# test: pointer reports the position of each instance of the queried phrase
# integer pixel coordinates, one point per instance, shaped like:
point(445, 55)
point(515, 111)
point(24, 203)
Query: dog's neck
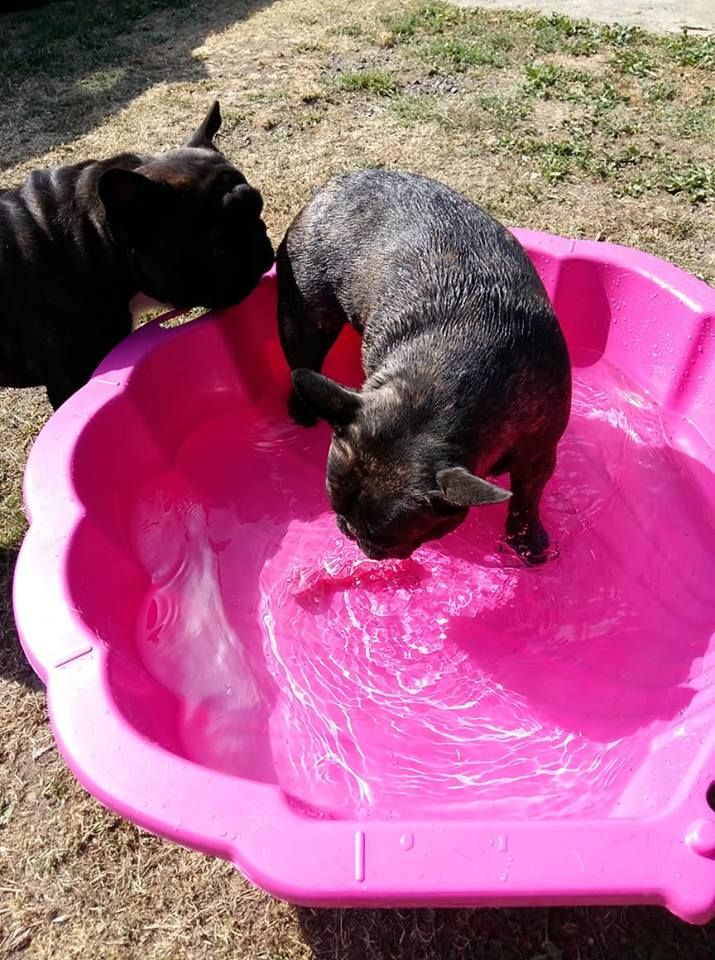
point(430, 400)
point(119, 270)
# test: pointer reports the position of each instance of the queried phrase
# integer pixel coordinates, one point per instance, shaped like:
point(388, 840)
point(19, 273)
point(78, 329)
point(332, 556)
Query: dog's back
point(436, 286)
point(56, 266)
point(418, 254)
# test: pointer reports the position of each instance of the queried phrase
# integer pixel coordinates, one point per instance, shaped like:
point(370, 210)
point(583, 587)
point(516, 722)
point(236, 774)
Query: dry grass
point(550, 124)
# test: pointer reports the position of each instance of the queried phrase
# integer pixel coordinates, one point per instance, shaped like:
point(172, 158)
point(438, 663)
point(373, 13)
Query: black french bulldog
point(467, 369)
point(77, 243)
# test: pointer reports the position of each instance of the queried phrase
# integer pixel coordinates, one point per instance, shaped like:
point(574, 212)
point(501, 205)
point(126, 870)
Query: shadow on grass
point(594, 933)
point(66, 66)
point(13, 664)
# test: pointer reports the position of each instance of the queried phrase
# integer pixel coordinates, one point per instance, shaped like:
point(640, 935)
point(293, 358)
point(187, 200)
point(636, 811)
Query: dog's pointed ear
point(461, 488)
point(203, 135)
point(326, 398)
point(128, 197)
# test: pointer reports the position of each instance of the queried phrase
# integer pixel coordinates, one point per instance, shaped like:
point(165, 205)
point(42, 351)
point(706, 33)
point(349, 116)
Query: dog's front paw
point(531, 542)
point(300, 412)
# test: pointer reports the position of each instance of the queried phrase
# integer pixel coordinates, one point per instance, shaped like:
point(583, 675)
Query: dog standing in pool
point(467, 371)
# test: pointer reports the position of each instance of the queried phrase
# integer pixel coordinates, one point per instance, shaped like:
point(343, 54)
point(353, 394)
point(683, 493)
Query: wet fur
point(77, 243)
point(467, 371)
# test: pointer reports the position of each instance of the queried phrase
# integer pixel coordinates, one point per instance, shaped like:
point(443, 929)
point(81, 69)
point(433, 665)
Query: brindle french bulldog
point(467, 369)
point(78, 243)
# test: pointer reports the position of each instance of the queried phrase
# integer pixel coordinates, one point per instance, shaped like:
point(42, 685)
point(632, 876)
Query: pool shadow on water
point(603, 639)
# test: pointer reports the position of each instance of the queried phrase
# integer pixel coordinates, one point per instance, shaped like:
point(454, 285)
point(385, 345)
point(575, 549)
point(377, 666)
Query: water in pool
point(459, 677)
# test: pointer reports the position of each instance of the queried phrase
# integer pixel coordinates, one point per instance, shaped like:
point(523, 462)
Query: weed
point(557, 32)
point(558, 158)
point(459, 55)
point(506, 111)
point(662, 91)
point(413, 109)
point(636, 187)
point(694, 122)
point(695, 180)
point(620, 34)
point(350, 30)
point(552, 82)
point(432, 18)
point(541, 79)
point(312, 118)
point(690, 51)
point(635, 62)
point(375, 82)
point(610, 164)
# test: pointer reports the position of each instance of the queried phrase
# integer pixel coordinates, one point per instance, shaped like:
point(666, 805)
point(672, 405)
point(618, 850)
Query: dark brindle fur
point(77, 243)
point(467, 369)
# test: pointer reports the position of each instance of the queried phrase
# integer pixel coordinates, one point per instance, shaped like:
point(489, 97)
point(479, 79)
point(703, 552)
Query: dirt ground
point(553, 124)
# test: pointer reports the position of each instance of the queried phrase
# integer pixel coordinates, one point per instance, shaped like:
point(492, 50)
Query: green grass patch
point(431, 18)
point(607, 136)
point(12, 520)
point(695, 180)
point(414, 109)
point(377, 83)
point(634, 61)
point(559, 33)
point(459, 55)
point(350, 30)
point(662, 91)
point(693, 123)
point(550, 81)
point(505, 111)
point(690, 51)
point(556, 159)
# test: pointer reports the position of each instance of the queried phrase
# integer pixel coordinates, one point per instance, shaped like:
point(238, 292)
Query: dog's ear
point(129, 198)
point(326, 398)
point(204, 134)
point(461, 488)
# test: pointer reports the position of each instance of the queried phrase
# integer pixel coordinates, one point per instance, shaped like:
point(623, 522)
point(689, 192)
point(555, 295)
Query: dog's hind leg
point(83, 350)
point(61, 388)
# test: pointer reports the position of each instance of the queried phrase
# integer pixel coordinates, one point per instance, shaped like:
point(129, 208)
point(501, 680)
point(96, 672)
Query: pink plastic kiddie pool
point(226, 670)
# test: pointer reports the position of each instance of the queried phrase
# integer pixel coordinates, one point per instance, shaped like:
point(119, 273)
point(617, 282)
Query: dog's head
point(392, 480)
point(190, 223)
